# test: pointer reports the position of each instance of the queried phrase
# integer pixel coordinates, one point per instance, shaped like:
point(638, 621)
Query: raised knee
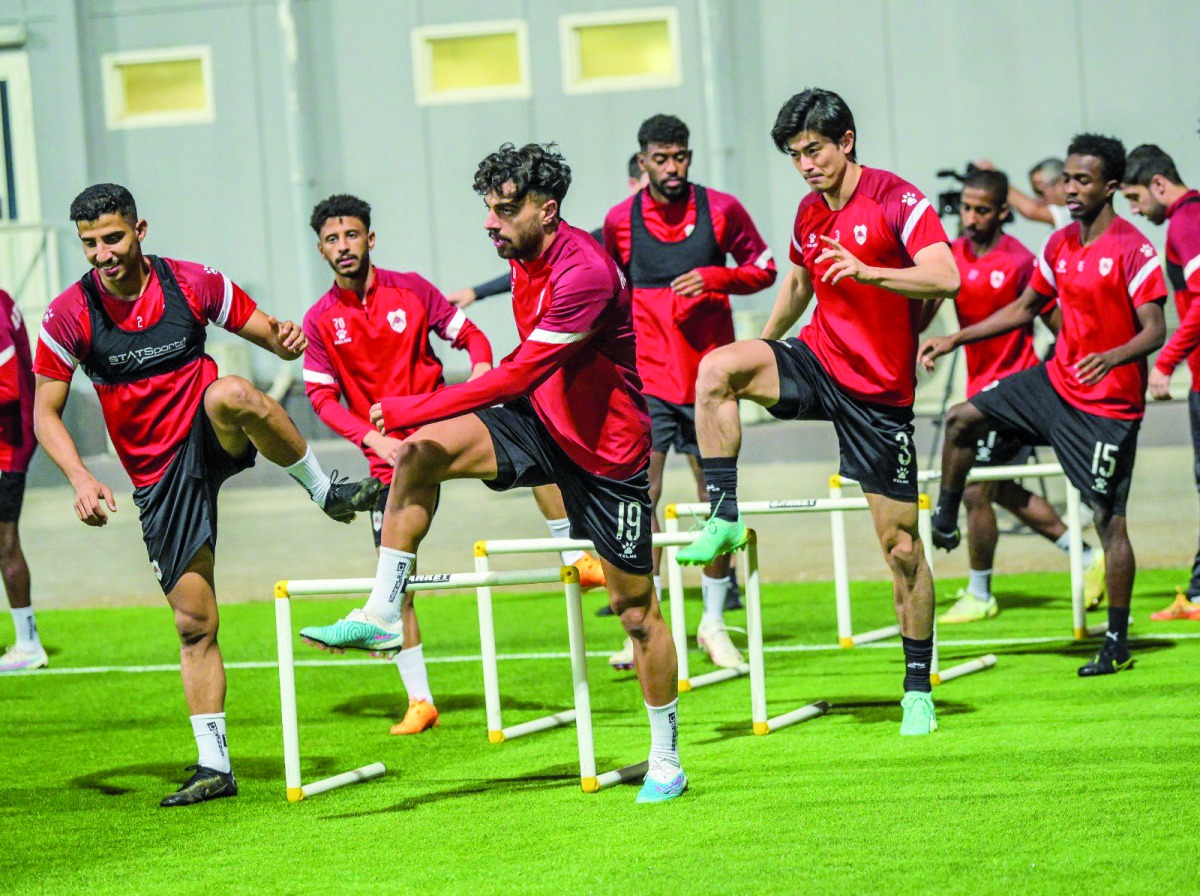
point(235, 396)
point(960, 420)
point(712, 379)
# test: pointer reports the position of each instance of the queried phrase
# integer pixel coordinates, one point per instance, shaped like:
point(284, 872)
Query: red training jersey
point(365, 349)
point(674, 332)
point(576, 361)
point(866, 336)
point(148, 419)
point(989, 282)
point(1183, 268)
point(17, 442)
point(1099, 287)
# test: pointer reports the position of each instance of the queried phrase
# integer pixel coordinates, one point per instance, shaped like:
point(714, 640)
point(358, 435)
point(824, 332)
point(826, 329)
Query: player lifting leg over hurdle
point(870, 247)
point(565, 407)
point(136, 324)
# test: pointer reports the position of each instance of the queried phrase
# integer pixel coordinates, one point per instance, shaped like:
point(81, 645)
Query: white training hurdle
point(484, 550)
point(670, 542)
point(836, 508)
point(581, 714)
point(1080, 628)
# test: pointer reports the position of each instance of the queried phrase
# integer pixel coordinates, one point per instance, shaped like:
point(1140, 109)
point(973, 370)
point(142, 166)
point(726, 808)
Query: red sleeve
point(323, 389)
point(580, 296)
point(10, 379)
point(1184, 340)
point(64, 337)
point(616, 233)
point(1042, 279)
point(221, 300)
point(795, 254)
point(737, 235)
point(913, 219)
point(452, 325)
point(1183, 244)
point(1144, 270)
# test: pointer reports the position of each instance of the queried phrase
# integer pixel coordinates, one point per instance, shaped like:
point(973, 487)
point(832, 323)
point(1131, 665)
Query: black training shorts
point(614, 514)
point(875, 441)
point(12, 496)
point(998, 448)
point(672, 426)
point(179, 512)
point(1096, 453)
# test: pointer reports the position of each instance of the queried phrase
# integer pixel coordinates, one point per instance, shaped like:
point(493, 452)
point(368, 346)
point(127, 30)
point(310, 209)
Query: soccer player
point(1048, 202)
point(369, 336)
point(1088, 400)
point(136, 325)
point(1156, 191)
point(870, 247)
point(995, 269)
point(17, 444)
point(672, 238)
point(566, 406)
point(503, 283)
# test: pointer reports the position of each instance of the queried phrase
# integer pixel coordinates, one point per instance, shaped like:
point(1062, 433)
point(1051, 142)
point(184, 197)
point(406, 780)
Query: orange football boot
point(421, 716)
point(1180, 608)
point(591, 573)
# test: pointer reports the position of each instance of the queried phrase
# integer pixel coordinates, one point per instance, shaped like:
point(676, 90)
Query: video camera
point(948, 202)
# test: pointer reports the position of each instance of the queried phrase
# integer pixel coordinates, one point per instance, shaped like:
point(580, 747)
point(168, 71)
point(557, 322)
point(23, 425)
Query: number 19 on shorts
point(629, 521)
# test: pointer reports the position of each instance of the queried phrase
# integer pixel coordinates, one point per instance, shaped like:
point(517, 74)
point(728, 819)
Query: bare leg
point(242, 415)
point(549, 502)
point(740, 370)
point(912, 589)
point(194, 601)
point(964, 425)
point(982, 532)
point(13, 568)
point(1032, 510)
point(634, 601)
point(1118, 553)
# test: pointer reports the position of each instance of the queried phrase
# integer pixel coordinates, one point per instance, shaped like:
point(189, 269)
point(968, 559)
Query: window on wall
point(621, 50)
point(470, 63)
point(158, 88)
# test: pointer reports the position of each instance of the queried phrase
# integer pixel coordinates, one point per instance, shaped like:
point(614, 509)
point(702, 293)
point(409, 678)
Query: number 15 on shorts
point(1104, 464)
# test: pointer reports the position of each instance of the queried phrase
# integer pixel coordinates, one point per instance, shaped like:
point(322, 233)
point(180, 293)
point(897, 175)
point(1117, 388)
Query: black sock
point(945, 518)
point(1118, 627)
point(918, 660)
point(720, 480)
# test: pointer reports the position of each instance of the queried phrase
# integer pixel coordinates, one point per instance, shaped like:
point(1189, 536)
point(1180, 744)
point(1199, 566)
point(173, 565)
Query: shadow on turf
point(172, 774)
point(549, 778)
point(1085, 650)
point(386, 706)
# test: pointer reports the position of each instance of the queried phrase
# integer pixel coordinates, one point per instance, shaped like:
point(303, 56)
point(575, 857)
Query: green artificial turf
point(1037, 782)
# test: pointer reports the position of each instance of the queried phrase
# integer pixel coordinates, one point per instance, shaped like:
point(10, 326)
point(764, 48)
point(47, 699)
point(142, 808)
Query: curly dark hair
point(820, 111)
point(104, 199)
point(534, 168)
point(339, 205)
point(666, 130)
point(1109, 150)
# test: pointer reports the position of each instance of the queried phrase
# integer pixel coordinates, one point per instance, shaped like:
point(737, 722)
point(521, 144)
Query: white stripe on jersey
point(63, 355)
point(761, 261)
point(1044, 267)
point(1190, 267)
point(455, 325)
point(315, 376)
point(796, 245)
point(552, 338)
point(1141, 275)
point(226, 302)
point(7, 355)
point(911, 224)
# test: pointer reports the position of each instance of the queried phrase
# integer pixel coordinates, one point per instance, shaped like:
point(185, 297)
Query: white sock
point(209, 729)
point(714, 591)
point(562, 529)
point(411, 664)
point(391, 575)
point(979, 583)
point(307, 471)
point(664, 741)
point(1063, 543)
point(26, 628)
point(658, 584)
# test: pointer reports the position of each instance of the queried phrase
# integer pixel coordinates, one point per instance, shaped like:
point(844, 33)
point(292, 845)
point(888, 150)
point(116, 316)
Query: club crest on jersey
point(397, 320)
point(1061, 267)
point(860, 233)
point(1105, 266)
point(996, 279)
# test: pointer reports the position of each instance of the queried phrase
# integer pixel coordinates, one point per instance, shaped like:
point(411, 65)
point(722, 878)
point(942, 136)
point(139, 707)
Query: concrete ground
point(270, 530)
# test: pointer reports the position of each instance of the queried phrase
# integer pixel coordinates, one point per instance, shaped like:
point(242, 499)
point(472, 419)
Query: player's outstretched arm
point(795, 292)
point(1016, 314)
point(934, 275)
point(1092, 368)
point(280, 337)
point(91, 495)
point(1030, 207)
